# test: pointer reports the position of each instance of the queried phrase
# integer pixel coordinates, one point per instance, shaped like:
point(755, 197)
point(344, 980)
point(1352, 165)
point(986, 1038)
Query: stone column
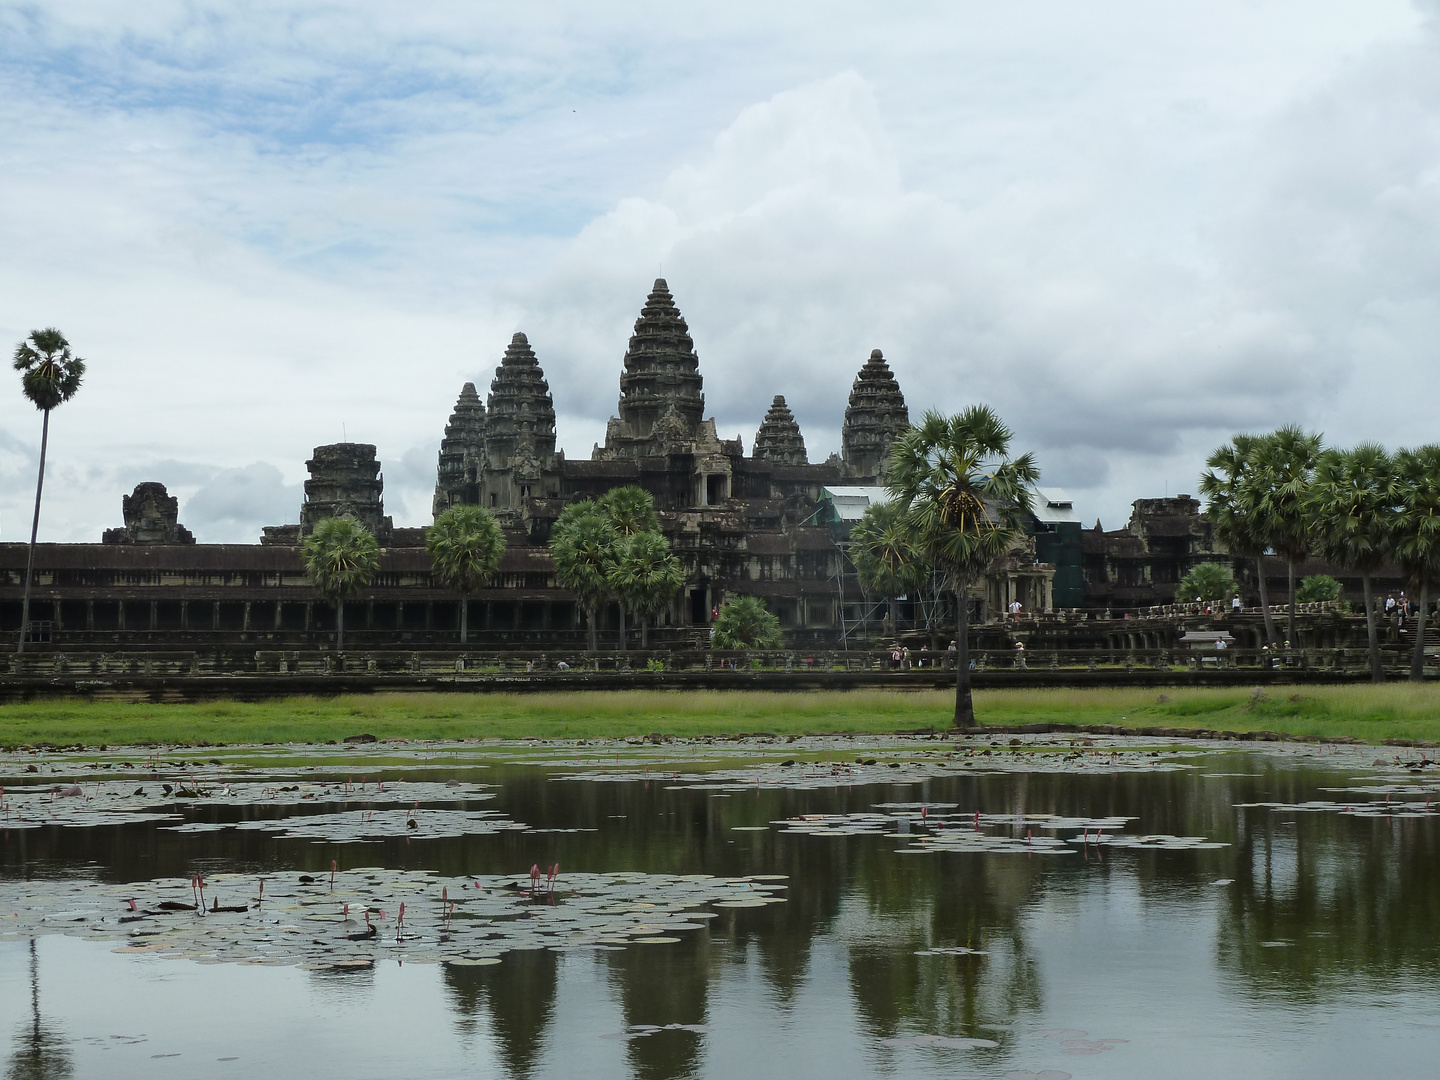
point(154, 615)
point(89, 614)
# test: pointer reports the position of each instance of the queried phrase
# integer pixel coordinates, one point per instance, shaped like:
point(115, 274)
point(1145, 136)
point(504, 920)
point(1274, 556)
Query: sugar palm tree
point(645, 576)
point(1286, 460)
point(631, 512)
point(963, 497)
point(1232, 493)
point(465, 546)
point(1416, 540)
point(341, 558)
point(885, 557)
point(1352, 499)
point(744, 623)
point(51, 376)
point(582, 544)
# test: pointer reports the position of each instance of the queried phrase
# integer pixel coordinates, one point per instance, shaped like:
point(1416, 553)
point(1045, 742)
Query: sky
point(1131, 228)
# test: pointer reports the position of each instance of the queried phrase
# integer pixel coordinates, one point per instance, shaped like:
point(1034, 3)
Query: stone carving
point(152, 516)
point(874, 419)
point(779, 439)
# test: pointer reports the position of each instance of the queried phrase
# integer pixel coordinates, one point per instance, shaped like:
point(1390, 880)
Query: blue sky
point(1132, 228)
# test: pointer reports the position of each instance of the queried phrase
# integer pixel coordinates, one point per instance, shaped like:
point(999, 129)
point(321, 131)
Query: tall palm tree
point(1416, 542)
point(1286, 460)
point(963, 497)
point(341, 558)
point(51, 376)
point(885, 557)
point(465, 546)
point(582, 544)
point(1351, 499)
point(1232, 502)
point(645, 576)
point(631, 512)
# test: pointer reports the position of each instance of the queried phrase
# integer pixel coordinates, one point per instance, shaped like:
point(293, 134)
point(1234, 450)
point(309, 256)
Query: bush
point(1316, 589)
point(654, 665)
point(745, 624)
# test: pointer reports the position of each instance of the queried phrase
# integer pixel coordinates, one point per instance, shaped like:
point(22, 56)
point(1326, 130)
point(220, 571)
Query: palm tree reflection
point(42, 1054)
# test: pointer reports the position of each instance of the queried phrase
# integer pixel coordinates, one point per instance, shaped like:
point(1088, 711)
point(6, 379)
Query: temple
point(769, 523)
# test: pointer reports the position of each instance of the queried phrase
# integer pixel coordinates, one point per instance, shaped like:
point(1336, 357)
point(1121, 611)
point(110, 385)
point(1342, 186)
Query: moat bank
point(1402, 714)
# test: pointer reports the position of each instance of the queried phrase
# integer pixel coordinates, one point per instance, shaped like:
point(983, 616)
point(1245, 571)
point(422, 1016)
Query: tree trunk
point(1265, 599)
point(622, 626)
point(464, 619)
point(590, 617)
point(340, 625)
point(34, 531)
point(644, 633)
point(1290, 616)
point(1417, 657)
point(1377, 673)
point(964, 705)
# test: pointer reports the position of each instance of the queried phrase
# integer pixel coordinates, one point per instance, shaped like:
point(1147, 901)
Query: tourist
point(562, 665)
point(1220, 643)
point(1015, 609)
point(529, 667)
point(1235, 605)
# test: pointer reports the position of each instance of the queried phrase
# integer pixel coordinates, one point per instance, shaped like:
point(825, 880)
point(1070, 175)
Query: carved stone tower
point(519, 432)
point(875, 417)
point(152, 516)
point(661, 386)
point(345, 479)
point(779, 439)
point(461, 452)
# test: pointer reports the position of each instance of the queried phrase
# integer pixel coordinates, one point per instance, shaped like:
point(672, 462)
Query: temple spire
point(874, 419)
point(661, 379)
point(779, 439)
point(461, 451)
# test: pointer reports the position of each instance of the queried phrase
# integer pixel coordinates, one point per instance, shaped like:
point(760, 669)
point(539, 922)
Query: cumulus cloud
point(234, 504)
point(1131, 228)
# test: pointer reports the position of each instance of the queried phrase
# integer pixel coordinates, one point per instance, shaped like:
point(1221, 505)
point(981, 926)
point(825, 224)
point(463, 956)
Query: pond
point(900, 907)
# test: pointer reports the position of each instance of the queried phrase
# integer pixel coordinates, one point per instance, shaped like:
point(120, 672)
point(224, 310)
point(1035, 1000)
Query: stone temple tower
point(660, 390)
point(461, 453)
point(345, 480)
point(779, 439)
point(875, 417)
point(519, 432)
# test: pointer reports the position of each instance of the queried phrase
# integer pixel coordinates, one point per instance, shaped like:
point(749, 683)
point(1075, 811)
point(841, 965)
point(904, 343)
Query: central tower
point(661, 385)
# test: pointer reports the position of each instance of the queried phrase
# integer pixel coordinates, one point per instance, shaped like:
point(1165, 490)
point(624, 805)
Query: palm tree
point(1286, 460)
point(744, 623)
point(1207, 581)
point(645, 576)
point(51, 376)
point(631, 512)
point(465, 546)
point(583, 546)
point(341, 558)
point(1231, 489)
point(885, 556)
point(1416, 542)
point(1351, 499)
point(963, 497)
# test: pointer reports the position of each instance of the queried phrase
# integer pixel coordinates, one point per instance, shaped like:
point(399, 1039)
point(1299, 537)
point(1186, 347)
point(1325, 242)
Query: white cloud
point(1131, 228)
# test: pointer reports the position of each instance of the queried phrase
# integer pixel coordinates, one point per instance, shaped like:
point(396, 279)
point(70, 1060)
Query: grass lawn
point(1372, 713)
